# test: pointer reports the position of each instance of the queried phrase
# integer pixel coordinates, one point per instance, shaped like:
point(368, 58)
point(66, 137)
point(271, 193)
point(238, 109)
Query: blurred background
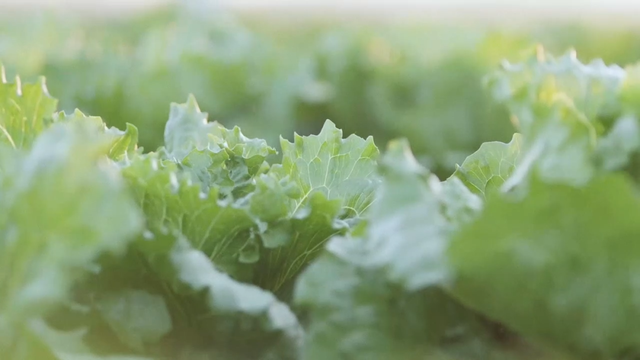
point(389, 69)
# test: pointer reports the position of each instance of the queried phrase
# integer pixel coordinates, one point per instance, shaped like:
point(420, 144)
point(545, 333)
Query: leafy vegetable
point(373, 296)
point(62, 205)
point(214, 246)
point(582, 306)
point(487, 169)
point(26, 111)
point(565, 240)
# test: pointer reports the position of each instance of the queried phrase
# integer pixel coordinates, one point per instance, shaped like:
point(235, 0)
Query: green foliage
point(210, 244)
point(63, 205)
point(26, 111)
point(582, 306)
point(373, 296)
point(421, 82)
point(487, 169)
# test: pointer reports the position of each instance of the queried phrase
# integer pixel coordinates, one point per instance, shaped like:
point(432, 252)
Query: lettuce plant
point(219, 246)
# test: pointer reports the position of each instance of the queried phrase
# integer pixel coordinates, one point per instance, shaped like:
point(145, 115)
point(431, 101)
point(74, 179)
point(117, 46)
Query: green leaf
point(225, 229)
point(137, 317)
point(273, 198)
point(235, 313)
point(168, 299)
point(487, 169)
point(630, 92)
point(290, 245)
point(122, 143)
point(558, 147)
point(357, 314)
point(460, 205)
point(559, 106)
point(616, 147)
point(171, 202)
point(214, 154)
point(66, 187)
point(592, 88)
point(25, 111)
point(54, 344)
point(557, 266)
point(125, 143)
point(325, 184)
point(62, 206)
point(187, 129)
point(338, 168)
point(376, 296)
point(208, 167)
point(407, 230)
point(566, 112)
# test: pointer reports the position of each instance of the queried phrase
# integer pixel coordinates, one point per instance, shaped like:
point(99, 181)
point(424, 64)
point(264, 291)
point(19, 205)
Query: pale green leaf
point(338, 168)
point(408, 231)
point(122, 143)
point(293, 243)
point(376, 296)
point(187, 129)
point(171, 202)
point(356, 314)
point(214, 154)
point(592, 88)
point(136, 317)
point(66, 187)
point(54, 344)
point(616, 147)
point(239, 312)
point(557, 266)
point(25, 111)
point(487, 169)
point(558, 105)
point(558, 147)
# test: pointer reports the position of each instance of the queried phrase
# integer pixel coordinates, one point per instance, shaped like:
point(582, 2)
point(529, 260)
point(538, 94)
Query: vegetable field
point(180, 186)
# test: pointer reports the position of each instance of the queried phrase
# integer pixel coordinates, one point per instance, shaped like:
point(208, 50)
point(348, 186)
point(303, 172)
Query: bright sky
point(571, 7)
point(391, 3)
point(348, 3)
